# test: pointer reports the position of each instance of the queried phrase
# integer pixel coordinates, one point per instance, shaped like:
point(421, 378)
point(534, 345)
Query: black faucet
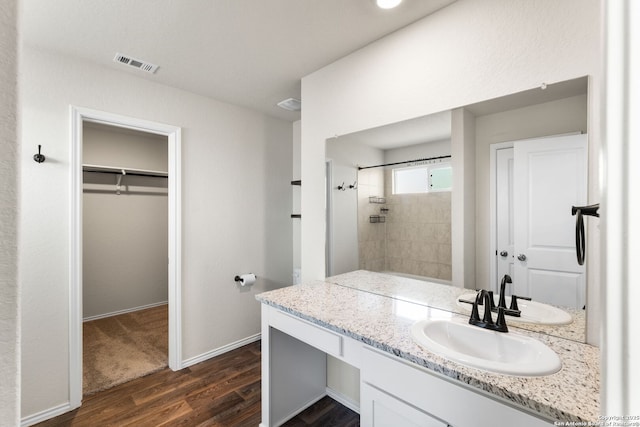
point(485, 298)
point(503, 284)
point(513, 309)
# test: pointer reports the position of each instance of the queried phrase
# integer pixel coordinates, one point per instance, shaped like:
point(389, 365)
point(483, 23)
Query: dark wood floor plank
point(224, 391)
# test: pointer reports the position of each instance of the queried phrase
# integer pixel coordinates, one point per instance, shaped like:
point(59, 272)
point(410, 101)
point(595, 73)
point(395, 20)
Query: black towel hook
point(39, 157)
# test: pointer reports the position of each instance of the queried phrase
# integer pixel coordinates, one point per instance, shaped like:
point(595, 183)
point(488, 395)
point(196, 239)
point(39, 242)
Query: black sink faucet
point(486, 322)
point(503, 284)
point(513, 309)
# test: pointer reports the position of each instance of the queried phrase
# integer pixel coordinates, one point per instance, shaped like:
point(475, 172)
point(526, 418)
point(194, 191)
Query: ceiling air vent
point(135, 63)
point(290, 104)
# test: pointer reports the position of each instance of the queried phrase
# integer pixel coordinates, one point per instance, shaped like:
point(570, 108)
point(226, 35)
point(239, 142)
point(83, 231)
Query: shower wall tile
point(418, 232)
point(416, 237)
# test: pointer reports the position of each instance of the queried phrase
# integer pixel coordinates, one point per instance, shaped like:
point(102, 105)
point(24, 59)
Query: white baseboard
point(127, 310)
point(220, 350)
point(302, 409)
point(45, 415)
point(344, 400)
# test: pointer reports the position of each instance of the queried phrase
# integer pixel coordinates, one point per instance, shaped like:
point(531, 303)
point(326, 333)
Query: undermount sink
point(503, 353)
point(530, 311)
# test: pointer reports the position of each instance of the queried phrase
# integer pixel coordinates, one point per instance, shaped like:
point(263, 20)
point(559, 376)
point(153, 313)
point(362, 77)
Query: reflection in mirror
point(396, 219)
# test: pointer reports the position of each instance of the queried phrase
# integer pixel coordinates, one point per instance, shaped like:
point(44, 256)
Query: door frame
point(79, 115)
point(493, 200)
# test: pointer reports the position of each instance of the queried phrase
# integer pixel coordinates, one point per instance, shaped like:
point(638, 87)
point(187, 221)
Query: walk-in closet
point(124, 253)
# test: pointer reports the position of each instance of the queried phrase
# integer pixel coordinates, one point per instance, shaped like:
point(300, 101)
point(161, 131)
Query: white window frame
point(429, 167)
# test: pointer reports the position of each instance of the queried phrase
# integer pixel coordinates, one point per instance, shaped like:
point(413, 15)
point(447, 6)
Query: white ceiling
point(251, 53)
point(434, 127)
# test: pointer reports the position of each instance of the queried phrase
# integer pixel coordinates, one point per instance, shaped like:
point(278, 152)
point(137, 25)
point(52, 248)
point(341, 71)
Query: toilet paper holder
point(241, 280)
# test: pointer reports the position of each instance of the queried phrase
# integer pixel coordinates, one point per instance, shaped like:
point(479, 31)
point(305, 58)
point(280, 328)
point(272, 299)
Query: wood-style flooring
point(222, 391)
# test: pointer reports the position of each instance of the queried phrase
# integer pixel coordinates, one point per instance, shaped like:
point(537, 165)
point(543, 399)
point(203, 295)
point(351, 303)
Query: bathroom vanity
point(400, 382)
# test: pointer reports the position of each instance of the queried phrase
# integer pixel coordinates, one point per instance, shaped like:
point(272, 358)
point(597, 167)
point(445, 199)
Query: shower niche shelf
point(377, 219)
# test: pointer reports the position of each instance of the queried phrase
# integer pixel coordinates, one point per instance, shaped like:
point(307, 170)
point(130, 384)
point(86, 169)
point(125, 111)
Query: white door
point(549, 176)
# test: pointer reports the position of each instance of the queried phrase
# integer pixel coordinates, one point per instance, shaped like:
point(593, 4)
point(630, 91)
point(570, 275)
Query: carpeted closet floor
point(120, 348)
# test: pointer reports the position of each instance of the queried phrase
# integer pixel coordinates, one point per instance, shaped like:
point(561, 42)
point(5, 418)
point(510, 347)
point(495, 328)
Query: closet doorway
point(124, 255)
point(125, 263)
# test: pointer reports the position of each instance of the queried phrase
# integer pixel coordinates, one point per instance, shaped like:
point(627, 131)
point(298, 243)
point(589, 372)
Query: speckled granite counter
point(572, 394)
point(444, 297)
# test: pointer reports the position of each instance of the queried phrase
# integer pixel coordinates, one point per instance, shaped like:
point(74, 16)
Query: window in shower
point(422, 179)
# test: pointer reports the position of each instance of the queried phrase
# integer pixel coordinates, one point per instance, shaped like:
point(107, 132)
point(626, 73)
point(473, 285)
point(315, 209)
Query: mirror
point(397, 219)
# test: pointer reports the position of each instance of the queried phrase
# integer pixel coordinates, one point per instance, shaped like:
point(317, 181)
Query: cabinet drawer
point(379, 409)
point(307, 332)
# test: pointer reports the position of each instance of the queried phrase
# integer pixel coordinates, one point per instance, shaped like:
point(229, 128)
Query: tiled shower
point(406, 233)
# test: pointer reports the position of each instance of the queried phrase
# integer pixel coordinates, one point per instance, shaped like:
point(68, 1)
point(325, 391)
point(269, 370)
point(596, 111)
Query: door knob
point(522, 257)
point(504, 253)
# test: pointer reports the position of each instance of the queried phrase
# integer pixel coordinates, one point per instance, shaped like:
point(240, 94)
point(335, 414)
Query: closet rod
point(405, 162)
point(124, 171)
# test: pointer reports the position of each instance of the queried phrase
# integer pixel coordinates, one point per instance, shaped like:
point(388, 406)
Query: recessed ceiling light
point(388, 4)
point(290, 104)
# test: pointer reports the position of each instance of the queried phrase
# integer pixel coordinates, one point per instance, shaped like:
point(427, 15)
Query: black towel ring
point(579, 211)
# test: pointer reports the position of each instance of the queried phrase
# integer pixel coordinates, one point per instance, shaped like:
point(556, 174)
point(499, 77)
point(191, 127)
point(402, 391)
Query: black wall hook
point(342, 187)
point(354, 186)
point(39, 157)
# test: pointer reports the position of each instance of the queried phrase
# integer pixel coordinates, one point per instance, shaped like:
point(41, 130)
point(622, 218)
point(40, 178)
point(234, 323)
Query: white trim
point(344, 400)
point(125, 311)
point(220, 350)
point(45, 415)
point(493, 228)
point(620, 345)
point(328, 171)
point(79, 115)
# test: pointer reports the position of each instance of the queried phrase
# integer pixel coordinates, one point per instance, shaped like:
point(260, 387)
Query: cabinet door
point(379, 409)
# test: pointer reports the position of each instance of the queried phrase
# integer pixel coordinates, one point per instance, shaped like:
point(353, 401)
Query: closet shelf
point(123, 171)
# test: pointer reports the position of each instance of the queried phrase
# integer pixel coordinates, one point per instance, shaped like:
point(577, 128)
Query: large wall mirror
point(389, 199)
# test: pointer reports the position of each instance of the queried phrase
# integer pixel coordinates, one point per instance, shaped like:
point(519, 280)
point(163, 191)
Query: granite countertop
point(572, 394)
point(444, 297)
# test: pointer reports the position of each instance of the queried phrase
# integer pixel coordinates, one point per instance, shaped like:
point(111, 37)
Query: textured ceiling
point(251, 53)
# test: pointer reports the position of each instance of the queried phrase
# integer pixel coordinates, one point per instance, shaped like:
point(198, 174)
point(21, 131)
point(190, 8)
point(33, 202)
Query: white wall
point(346, 156)
point(9, 170)
point(463, 200)
point(296, 193)
point(236, 202)
point(465, 53)
point(125, 236)
point(418, 151)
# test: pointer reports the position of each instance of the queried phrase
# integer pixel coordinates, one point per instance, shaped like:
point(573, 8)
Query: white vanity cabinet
point(393, 391)
point(390, 384)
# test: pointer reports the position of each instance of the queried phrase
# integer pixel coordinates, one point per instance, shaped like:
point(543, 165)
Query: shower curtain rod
point(406, 161)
